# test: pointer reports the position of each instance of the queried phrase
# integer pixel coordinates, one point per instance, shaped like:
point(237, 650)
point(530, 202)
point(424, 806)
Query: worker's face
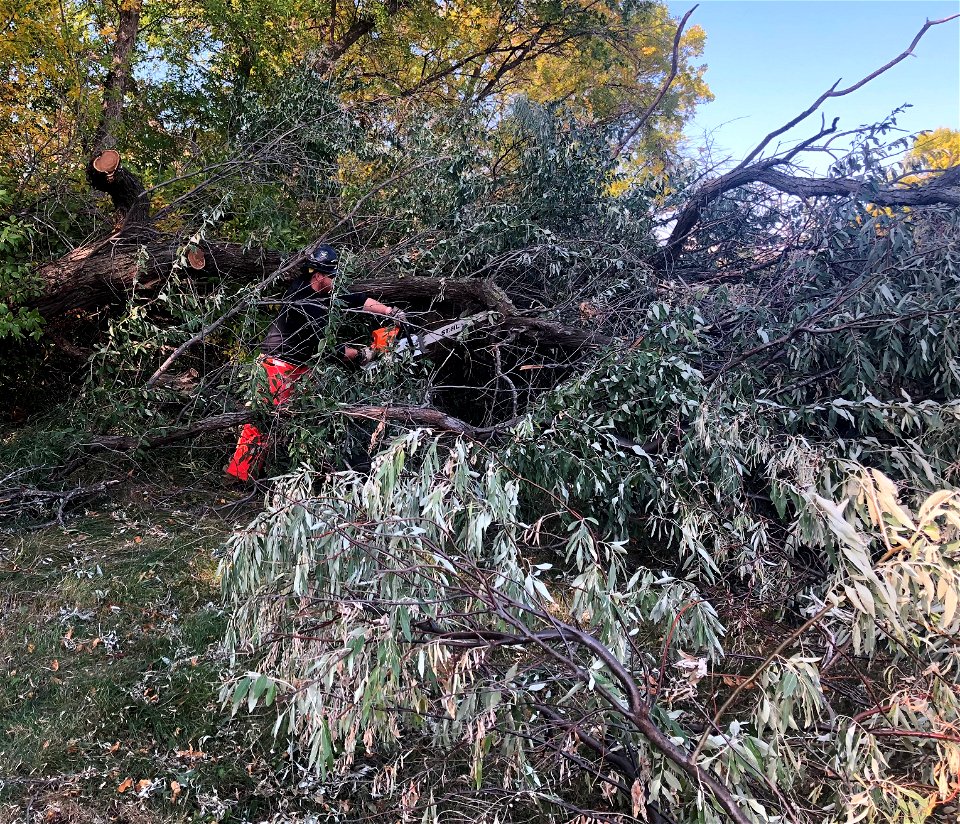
point(321, 283)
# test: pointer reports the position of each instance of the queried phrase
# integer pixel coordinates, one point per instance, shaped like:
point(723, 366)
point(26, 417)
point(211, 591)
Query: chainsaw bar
point(421, 342)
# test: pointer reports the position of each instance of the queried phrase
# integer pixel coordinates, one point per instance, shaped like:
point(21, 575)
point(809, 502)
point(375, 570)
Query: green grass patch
point(110, 667)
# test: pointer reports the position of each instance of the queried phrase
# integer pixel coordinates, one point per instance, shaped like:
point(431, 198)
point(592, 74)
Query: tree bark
point(426, 417)
point(117, 81)
point(93, 275)
point(126, 191)
point(942, 189)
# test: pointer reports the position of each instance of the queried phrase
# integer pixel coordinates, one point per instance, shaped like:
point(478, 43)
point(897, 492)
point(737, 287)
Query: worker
point(294, 338)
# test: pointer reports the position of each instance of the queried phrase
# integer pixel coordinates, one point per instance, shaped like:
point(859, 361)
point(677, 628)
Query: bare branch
point(834, 92)
point(674, 63)
point(426, 417)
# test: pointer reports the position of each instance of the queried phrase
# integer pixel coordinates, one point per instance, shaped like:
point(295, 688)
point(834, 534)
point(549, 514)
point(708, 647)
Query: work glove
point(367, 355)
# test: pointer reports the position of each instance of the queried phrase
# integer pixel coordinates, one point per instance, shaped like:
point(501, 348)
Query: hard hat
point(322, 258)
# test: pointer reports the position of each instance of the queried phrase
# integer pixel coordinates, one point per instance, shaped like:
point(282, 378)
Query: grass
point(110, 667)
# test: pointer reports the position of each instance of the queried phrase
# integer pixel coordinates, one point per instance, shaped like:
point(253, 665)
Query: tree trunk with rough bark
point(91, 276)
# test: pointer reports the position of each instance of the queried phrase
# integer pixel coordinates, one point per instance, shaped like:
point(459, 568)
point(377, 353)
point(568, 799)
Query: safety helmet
point(322, 259)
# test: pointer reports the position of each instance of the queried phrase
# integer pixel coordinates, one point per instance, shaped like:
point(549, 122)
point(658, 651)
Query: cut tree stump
point(107, 163)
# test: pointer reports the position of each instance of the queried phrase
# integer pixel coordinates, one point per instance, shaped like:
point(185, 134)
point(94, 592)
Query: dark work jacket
point(296, 333)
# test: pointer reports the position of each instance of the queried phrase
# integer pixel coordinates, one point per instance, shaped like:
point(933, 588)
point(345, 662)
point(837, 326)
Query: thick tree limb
point(125, 189)
point(549, 333)
point(943, 189)
point(415, 415)
point(467, 293)
point(92, 275)
point(165, 437)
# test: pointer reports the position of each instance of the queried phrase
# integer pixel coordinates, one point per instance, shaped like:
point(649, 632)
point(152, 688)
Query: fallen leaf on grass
point(142, 784)
point(126, 785)
point(54, 665)
point(637, 799)
point(737, 681)
point(174, 790)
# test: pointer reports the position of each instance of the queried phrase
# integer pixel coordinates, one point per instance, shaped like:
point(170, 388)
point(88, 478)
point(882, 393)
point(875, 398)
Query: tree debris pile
point(649, 512)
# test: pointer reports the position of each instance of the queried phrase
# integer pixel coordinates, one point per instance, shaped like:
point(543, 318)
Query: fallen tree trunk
point(96, 274)
point(93, 275)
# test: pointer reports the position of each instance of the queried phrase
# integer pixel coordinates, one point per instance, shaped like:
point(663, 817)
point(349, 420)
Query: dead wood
point(93, 275)
point(19, 500)
point(944, 189)
point(428, 418)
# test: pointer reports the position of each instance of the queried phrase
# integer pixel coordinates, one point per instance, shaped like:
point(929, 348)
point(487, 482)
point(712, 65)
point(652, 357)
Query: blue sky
point(767, 61)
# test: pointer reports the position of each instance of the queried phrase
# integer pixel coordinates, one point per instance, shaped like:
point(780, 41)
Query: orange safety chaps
point(251, 451)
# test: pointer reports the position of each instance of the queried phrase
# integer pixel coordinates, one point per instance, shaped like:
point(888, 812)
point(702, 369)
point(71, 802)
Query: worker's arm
point(377, 308)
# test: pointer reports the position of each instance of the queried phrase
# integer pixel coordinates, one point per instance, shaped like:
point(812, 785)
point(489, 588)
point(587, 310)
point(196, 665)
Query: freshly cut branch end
point(107, 162)
point(196, 260)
